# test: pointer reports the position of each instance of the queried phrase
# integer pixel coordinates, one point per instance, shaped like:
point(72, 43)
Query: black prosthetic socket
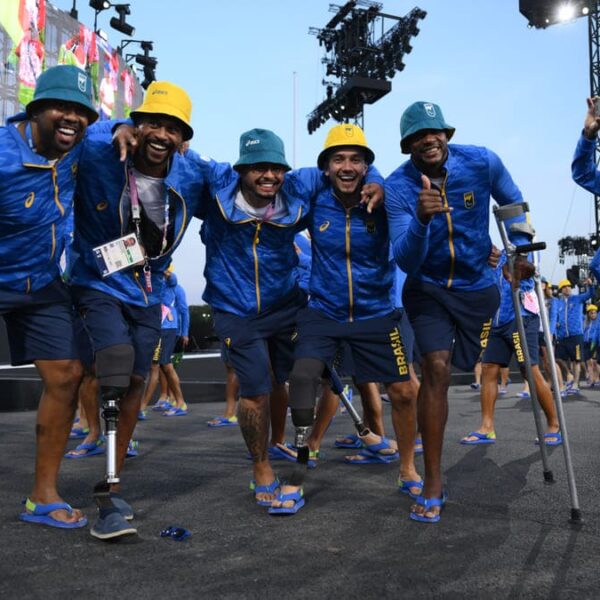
point(304, 381)
point(114, 366)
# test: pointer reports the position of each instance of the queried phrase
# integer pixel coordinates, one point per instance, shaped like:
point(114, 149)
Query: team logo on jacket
point(102, 206)
point(29, 200)
point(469, 198)
point(371, 228)
point(324, 226)
point(227, 342)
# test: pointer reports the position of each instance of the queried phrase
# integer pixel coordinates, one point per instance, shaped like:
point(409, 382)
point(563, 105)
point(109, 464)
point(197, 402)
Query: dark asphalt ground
point(504, 533)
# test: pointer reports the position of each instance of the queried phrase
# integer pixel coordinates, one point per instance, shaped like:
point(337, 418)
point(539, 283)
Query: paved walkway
point(504, 534)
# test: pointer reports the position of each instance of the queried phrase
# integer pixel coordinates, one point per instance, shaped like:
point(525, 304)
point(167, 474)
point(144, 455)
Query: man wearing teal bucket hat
point(259, 206)
point(39, 154)
point(438, 209)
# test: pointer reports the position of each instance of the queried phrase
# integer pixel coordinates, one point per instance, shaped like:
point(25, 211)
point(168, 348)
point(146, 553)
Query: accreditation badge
point(120, 254)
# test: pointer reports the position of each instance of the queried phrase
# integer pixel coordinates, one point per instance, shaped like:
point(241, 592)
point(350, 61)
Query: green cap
point(419, 116)
point(261, 146)
point(66, 83)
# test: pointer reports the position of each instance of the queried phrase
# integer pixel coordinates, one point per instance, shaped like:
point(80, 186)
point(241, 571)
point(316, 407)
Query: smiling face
point(261, 182)
point(346, 169)
point(57, 126)
point(158, 137)
point(429, 150)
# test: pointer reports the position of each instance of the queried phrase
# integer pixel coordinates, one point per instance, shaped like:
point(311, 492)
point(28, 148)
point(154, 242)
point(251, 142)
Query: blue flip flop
point(372, 458)
point(296, 497)
point(356, 442)
point(91, 449)
point(482, 438)
point(78, 433)
point(162, 405)
point(264, 489)
point(371, 454)
point(223, 422)
point(175, 412)
point(405, 485)
point(312, 460)
point(40, 513)
point(428, 504)
point(551, 439)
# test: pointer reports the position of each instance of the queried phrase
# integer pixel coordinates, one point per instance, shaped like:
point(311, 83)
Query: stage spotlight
point(120, 24)
point(99, 4)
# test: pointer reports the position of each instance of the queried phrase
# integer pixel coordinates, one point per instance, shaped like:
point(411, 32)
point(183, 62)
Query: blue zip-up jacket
point(36, 200)
point(583, 167)
point(552, 308)
point(101, 216)
point(570, 314)
point(250, 263)
point(506, 311)
point(173, 297)
point(591, 330)
point(398, 286)
point(351, 276)
point(452, 249)
point(303, 249)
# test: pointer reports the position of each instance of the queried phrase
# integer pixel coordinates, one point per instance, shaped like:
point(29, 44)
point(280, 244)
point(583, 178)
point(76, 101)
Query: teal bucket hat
point(419, 116)
point(67, 83)
point(261, 146)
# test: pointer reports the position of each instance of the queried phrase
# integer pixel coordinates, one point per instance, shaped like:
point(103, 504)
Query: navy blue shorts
point(343, 361)
point(225, 355)
point(39, 325)
point(262, 344)
point(503, 341)
point(109, 322)
point(375, 345)
point(168, 339)
point(408, 336)
point(83, 342)
point(451, 320)
point(588, 353)
point(570, 348)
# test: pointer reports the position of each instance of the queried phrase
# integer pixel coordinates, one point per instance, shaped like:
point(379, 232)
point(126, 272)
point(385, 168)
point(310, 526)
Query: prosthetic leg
point(113, 370)
point(305, 375)
point(503, 215)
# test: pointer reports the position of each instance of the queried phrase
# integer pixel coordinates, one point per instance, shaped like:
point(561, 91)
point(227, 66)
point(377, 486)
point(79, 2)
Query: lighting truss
point(361, 62)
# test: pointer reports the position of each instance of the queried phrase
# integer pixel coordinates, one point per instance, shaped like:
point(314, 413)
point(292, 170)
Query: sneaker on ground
point(112, 526)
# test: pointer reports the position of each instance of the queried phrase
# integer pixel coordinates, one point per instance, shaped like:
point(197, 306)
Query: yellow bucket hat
point(564, 283)
point(342, 135)
point(164, 98)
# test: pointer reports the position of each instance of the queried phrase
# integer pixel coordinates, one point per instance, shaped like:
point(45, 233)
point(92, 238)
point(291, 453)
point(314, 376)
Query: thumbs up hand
point(430, 202)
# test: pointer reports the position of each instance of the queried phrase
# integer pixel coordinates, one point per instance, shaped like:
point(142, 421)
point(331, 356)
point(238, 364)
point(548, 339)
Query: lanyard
point(136, 216)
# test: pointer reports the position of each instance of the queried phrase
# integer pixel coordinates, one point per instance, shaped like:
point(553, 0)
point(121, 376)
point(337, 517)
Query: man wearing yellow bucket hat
point(590, 344)
point(130, 217)
point(350, 302)
point(569, 328)
point(251, 284)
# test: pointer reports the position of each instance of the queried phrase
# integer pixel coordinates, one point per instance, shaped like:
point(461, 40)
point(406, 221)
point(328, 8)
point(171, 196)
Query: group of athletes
point(127, 191)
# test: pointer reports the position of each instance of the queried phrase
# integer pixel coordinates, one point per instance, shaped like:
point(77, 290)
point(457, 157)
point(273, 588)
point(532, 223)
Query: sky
point(521, 92)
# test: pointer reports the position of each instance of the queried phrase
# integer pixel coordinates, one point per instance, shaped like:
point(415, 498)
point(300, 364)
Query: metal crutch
point(503, 214)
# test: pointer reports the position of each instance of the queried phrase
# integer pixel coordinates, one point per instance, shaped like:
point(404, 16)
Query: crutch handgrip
point(510, 211)
point(527, 248)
